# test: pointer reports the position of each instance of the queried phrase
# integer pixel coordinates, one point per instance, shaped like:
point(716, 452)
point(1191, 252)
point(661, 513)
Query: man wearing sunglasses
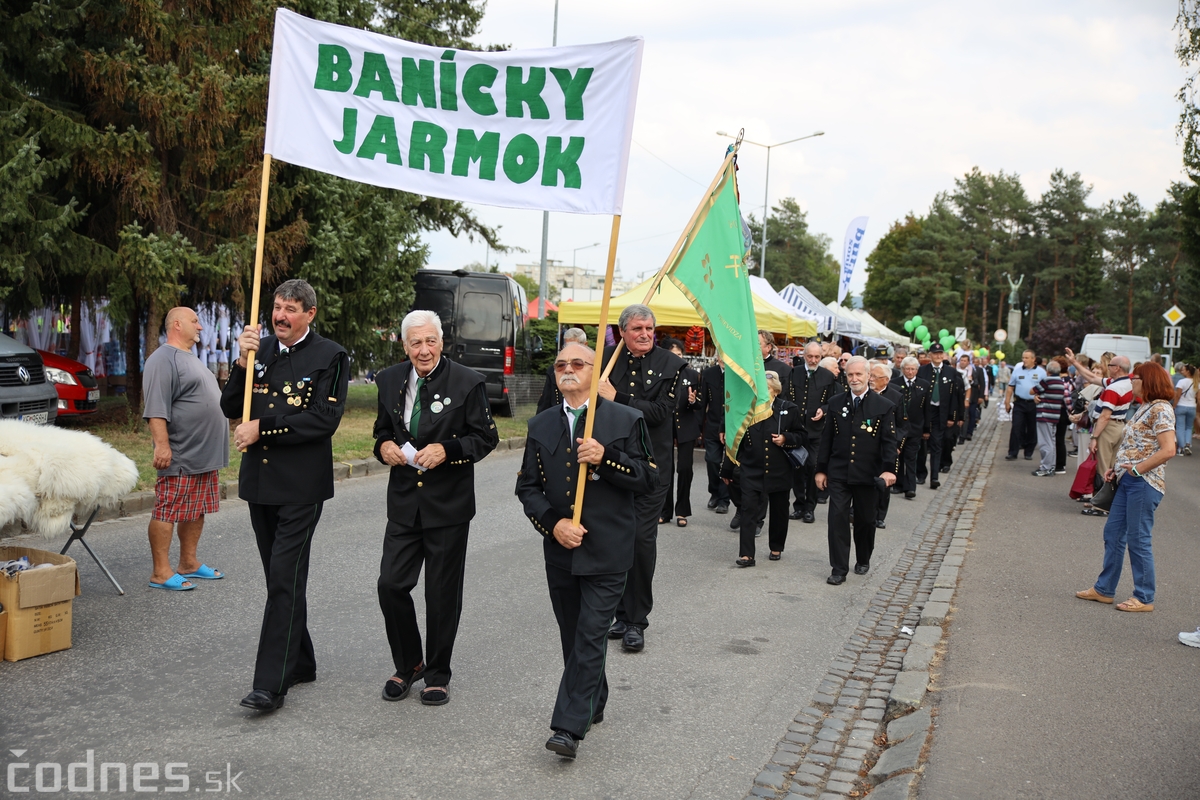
point(586, 564)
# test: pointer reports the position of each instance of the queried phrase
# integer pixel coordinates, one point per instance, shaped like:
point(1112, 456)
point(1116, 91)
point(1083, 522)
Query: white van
point(1135, 348)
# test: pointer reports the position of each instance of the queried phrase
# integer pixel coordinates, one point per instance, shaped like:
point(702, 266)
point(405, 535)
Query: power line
point(681, 172)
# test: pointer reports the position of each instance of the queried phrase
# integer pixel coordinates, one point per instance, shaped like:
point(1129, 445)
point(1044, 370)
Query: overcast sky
point(910, 96)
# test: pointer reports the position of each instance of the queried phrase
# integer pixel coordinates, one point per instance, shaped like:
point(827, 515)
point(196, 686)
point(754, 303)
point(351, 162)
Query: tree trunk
point(983, 314)
point(133, 372)
point(1129, 305)
point(76, 322)
point(966, 299)
point(1033, 303)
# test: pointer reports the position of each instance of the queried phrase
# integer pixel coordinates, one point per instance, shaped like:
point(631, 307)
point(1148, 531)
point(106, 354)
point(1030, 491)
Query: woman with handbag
point(1185, 409)
point(765, 473)
point(1147, 443)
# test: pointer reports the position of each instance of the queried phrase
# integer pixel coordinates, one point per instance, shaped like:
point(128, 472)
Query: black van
point(483, 323)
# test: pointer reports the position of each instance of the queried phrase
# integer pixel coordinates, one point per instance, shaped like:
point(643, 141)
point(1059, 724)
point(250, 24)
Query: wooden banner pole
point(257, 284)
point(595, 388)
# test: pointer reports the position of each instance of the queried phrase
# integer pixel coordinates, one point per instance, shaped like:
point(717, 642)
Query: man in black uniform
point(945, 411)
point(771, 363)
point(644, 377)
point(586, 564)
point(810, 388)
point(858, 445)
point(712, 404)
point(551, 396)
point(688, 418)
point(434, 424)
point(299, 393)
point(916, 404)
point(881, 375)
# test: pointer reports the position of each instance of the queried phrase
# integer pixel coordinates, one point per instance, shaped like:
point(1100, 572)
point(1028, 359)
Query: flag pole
point(257, 283)
point(662, 272)
point(595, 388)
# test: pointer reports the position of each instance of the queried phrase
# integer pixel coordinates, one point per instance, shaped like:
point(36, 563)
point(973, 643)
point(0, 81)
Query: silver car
point(25, 394)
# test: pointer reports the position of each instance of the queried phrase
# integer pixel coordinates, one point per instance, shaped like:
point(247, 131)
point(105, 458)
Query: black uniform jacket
point(298, 400)
point(455, 414)
point(952, 394)
point(549, 474)
point(893, 395)
point(551, 396)
point(784, 372)
point(915, 414)
point(763, 463)
point(809, 394)
point(978, 385)
point(650, 384)
point(712, 401)
point(858, 446)
point(689, 417)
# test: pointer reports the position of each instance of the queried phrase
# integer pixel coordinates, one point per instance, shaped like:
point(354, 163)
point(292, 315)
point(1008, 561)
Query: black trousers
point(1024, 427)
point(804, 483)
point(934, 446)
point(638, 599)
point(883, 501)
point(907, 479)
point(443, 551)
point(1060, 440)
point(757, 505)
point(717, 490)
point(583, 606)
point(842, 496)
point(684, 470)
point(754, 499)
point(284, 537)
point(949, 442)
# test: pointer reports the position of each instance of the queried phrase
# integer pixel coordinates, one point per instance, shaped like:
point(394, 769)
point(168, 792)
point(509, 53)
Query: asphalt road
point(1043, 695)
point(732, 655)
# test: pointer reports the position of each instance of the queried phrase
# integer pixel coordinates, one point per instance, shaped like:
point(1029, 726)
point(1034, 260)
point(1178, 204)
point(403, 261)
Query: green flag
point(710, 269)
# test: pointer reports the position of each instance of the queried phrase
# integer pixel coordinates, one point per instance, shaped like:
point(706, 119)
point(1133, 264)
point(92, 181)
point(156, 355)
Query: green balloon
point(917, 320)
point(909, 327)
point(947, 342)
point(943, 332)
point(922, 332)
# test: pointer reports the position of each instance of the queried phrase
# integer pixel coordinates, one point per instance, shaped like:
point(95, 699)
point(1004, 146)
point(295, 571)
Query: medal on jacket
point(866, 426)
point(436, 407)
point(287, 388)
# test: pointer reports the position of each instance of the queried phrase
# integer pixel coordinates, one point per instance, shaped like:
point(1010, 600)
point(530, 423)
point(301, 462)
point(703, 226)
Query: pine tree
point(795, 254)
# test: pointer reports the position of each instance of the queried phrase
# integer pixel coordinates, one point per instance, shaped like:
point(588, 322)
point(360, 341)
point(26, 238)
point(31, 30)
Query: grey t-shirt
point(177, 387)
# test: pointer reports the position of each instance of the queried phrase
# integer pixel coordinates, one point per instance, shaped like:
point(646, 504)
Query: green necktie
point(936, 396)
point(415, 419)
point(574, 413)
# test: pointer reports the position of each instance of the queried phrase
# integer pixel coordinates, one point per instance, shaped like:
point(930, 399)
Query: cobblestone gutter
point(865, 731)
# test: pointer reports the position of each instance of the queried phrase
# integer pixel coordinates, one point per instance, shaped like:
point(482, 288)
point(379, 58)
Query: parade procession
point(815, 482)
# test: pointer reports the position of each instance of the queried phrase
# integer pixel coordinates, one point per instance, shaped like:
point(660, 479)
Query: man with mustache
point(646, 378)
point(299, 394)
point(586, 564)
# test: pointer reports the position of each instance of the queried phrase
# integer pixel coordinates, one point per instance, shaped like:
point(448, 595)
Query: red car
point(75, 383)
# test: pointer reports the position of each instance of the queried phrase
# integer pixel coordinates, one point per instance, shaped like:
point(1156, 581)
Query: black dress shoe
point(896, 490)
point(736, 522)
point(945, 470)
point(822, 500)
point(302, 679)
point(934, 484)
point(563, 743)
point(836, 580)
point(263, 700)
point(744, 562)
point(921, 481)
point(809, 517)
point(722, 508)
point(758, 530)
point(617, 629)
point(633, 640)
point(1029, 457)
point(909, 495)
point(598, 717)
point(1010, 457)
point(862, 569)
point(712, 503)
point(796, 515)
point(880, 524)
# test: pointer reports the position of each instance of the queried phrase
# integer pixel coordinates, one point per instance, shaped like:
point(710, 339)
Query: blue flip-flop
point(173, 584)
point(206, 573)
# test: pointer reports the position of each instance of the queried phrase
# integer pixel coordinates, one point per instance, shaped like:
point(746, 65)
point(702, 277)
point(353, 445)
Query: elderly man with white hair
point(918, 413)
point(434, 424)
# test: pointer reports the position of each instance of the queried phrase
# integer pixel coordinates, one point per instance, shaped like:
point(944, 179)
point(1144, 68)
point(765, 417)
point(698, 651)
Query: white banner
point(541, 129)
point(854, 236)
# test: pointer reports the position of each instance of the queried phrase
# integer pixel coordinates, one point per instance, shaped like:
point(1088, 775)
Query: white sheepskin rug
point(48, 474)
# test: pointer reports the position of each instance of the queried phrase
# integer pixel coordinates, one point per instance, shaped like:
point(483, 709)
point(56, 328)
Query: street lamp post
point(766, 186)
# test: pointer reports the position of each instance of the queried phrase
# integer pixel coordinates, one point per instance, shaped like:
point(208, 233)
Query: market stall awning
point(873, 331)
point(827, 320)
point(672, 309)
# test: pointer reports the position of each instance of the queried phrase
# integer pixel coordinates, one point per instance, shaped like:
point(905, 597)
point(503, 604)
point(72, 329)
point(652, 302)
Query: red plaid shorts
point(183, 498)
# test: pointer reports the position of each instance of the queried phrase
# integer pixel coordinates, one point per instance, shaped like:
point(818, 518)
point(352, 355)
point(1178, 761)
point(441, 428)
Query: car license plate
point(93, 394)
point(38, 418)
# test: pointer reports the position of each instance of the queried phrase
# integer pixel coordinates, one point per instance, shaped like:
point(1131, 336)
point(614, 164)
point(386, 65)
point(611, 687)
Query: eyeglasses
point(575, 363)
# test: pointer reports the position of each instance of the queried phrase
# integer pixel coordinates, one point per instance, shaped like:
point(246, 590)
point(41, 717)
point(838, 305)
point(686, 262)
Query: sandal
point(744, 561)
point(681, 522)
point(398, 687)
point(1092, 511)
point(662, 520)
point(434, 696)
point(1133, 604)
point(1091, 594)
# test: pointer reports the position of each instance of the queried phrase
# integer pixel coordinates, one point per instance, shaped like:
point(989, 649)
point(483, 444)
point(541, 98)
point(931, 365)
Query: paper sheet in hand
point(410, 453)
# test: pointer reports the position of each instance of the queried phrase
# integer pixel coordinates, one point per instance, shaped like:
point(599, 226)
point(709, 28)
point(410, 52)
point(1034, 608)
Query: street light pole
point(766, 189)
point(542, 287)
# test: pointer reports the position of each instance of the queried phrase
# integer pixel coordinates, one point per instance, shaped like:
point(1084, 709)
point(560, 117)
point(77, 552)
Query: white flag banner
point(854, 237)
point(544, 129)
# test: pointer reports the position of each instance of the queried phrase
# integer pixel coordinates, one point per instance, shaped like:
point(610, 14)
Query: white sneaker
point(1190, 639)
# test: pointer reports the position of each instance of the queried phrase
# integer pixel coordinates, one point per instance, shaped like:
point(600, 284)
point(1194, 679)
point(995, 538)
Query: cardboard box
point(37, 603)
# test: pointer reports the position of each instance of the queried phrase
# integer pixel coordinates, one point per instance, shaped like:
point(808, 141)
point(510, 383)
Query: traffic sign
point(1001, 335)
point(960, 334)
point(1171, 337)
point(1174, 315)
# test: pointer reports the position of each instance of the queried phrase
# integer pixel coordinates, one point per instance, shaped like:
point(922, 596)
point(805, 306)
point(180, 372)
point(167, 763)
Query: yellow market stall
point(672, 310)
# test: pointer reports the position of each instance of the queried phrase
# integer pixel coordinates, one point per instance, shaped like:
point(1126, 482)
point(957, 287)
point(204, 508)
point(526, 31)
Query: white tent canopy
point(763, 290)
point(874, 332)
point(808, 305)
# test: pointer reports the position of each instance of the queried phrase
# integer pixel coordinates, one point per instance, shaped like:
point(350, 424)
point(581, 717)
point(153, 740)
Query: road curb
point(867, 728)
